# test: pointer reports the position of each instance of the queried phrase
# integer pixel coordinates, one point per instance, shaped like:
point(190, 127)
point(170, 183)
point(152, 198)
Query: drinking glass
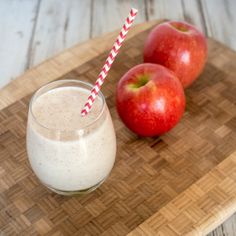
point(71, 161)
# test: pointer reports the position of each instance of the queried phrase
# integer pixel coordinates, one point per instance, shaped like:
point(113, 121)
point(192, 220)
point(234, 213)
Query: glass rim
point(34, 97)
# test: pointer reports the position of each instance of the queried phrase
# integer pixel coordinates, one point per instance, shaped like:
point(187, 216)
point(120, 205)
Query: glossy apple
point(150, 99)
point(178, 46)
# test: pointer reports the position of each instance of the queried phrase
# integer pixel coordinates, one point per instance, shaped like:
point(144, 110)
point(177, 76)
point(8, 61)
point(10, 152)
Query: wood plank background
point(34, 30)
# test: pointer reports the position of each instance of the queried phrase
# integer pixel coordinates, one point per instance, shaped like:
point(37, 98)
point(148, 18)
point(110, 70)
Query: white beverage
point(69, 152)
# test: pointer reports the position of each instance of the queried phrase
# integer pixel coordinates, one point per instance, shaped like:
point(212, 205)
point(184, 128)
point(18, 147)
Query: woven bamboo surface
point(182, 183)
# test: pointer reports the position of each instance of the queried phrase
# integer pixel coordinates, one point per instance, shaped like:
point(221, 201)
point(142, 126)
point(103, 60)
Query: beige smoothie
point(69, 152)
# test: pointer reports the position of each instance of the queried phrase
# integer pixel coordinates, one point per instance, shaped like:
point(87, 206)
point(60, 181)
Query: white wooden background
point(34, 30)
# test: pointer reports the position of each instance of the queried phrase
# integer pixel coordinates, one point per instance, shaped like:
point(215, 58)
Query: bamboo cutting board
point(182, 183)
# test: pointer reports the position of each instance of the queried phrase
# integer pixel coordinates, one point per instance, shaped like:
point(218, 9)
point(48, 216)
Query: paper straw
point(109, 61)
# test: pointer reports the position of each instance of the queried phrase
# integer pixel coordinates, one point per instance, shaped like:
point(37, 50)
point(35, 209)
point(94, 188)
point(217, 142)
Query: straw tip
point(134, 10)
point(83, 113)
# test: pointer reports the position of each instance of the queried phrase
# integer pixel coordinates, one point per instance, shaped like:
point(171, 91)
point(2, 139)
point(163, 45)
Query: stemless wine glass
point(69, 160)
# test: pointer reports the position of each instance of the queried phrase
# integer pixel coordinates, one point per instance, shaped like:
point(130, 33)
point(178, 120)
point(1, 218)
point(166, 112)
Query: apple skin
point(178, 46)
point(150, 99)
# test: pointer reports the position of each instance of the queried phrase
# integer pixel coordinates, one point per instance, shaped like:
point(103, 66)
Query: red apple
point(150, 99)
point(178, 46)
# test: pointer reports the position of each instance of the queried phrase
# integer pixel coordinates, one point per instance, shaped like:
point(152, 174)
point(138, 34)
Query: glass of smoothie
point(70, 154)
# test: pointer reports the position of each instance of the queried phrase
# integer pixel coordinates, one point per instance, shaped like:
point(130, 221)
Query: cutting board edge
point(67, 60)
point(62, 63)
point(217, 216)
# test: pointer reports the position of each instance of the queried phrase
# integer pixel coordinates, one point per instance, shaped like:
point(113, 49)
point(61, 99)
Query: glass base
point(75, 192)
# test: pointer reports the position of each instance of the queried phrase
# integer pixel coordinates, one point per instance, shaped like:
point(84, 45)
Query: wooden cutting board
point(182, 183)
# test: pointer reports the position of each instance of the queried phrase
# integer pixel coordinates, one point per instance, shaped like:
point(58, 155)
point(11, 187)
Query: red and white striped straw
point(109, 61)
